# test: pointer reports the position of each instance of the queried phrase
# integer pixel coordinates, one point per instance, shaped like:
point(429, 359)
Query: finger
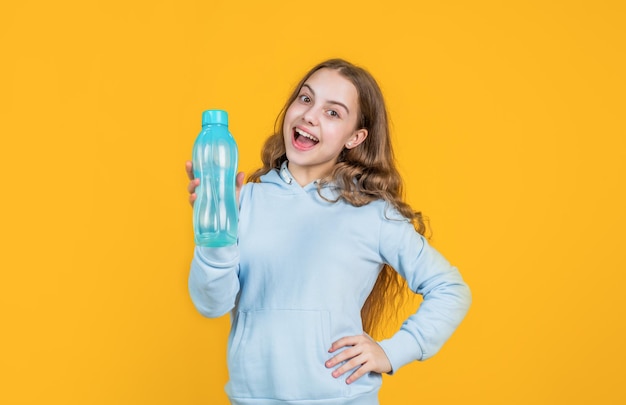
point(344, 341)
point(358, 361)
point(192, 199)
point(191, 187)
point(358, 373)
point(343, 356)
point(189, 169)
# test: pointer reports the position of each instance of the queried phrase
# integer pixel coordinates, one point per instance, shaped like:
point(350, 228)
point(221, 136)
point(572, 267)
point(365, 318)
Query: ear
point(357, 138)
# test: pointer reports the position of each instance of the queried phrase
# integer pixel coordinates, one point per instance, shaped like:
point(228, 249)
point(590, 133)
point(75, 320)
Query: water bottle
point(215, 212)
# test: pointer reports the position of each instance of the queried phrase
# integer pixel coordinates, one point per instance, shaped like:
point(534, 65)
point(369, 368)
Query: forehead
point(332, 85)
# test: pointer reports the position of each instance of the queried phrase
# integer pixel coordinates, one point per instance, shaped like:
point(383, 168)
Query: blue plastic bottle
point(215, 212)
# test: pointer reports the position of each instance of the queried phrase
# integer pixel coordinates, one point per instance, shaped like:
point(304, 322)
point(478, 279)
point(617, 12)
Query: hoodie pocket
point(280, 354)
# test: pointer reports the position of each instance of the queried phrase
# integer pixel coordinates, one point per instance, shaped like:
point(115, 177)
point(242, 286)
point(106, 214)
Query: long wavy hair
point(362, 174)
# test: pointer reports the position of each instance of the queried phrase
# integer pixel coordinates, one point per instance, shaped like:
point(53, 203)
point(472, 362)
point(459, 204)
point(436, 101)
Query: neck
point(303, 175)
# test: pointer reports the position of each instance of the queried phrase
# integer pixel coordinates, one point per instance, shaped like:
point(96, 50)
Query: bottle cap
point(214, 117)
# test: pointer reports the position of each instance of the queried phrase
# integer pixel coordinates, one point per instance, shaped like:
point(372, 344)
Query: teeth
point(304, 134)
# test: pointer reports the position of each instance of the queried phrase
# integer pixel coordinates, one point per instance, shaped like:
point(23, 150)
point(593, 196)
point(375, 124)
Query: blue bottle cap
point(214, 117)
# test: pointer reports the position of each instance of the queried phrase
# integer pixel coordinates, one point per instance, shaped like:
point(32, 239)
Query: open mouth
point(304, 140)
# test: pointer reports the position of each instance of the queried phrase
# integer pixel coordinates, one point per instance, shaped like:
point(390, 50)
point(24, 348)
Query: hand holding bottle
point(193, 182)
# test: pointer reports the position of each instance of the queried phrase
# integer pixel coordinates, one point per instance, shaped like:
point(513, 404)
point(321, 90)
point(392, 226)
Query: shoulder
point(266, 181)
point(394, 227)
point(386, 212)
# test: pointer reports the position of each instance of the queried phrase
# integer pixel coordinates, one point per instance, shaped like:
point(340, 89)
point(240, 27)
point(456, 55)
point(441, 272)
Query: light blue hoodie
point(296, 282)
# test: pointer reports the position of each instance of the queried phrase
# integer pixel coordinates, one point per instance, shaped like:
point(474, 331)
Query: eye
point(333, 113)
point(304, 98)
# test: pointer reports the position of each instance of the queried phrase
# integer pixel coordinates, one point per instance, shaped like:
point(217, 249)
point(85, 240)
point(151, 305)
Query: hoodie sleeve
point(446, 297)
point(213, 280)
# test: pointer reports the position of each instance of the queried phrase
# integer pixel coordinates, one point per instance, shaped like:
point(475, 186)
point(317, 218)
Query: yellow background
point(508, 120)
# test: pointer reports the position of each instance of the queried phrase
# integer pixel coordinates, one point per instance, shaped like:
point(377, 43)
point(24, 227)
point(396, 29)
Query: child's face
point(319, 123)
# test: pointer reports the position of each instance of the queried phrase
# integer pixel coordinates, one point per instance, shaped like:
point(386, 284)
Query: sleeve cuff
point(219, 257)
point(401, 349)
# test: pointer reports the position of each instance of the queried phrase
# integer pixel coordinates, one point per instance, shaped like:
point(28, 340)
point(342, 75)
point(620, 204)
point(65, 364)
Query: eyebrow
point(329, 101)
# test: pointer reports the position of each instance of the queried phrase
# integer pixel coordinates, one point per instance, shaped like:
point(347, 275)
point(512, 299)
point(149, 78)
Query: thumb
point(239, 183)
point(239, 180)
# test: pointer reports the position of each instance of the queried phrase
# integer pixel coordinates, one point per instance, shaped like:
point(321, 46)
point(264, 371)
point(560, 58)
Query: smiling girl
point(325, 240)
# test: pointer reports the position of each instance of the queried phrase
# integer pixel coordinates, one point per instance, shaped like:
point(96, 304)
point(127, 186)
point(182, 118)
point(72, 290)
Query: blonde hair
point(362, 174)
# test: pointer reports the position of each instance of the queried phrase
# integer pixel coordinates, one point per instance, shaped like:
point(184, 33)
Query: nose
point(310, 116)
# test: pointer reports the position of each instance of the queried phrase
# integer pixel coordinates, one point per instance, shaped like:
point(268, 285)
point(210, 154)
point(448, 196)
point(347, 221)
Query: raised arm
point(213, 279)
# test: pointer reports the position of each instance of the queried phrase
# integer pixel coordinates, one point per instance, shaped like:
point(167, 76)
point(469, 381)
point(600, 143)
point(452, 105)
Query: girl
point(322, 232)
